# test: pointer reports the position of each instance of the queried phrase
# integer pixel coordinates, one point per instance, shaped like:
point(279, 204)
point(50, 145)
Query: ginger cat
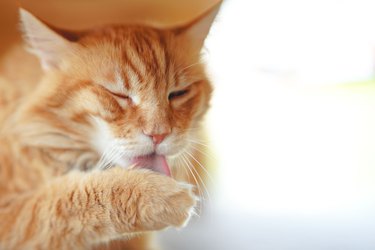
point(87, 145)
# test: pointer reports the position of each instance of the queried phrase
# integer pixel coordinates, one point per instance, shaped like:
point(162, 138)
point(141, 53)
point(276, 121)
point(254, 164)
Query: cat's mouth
point(154, 162)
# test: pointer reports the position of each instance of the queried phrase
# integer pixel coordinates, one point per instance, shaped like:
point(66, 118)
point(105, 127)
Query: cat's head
point(125, 93)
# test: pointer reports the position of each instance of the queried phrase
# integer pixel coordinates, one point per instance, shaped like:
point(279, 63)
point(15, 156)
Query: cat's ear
point(195, 32)
point(43, 40)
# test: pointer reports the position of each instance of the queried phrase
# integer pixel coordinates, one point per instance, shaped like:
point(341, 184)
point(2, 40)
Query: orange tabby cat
point(85, 144)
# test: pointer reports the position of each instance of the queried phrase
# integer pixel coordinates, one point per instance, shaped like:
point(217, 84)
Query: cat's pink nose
point(158, 138)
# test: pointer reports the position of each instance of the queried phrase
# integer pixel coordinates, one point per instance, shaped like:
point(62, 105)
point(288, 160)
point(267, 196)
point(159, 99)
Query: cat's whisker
point(199, 148)
point(196, 148)
point(200, 178)
point(112, 162)
point(191, 166)
point(194, 130)
point(199, 188)
point(117, 153)
point(202, 167)
point(203, 193)
point(108, 159)
point(107, 155)
point(110, 154)
point(196, 127)
point(197, 138)
point(189, 66)
point(197, 142)
point(183, 165)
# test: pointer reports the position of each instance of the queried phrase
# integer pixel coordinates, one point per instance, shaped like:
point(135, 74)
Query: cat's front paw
point(179, 205)
point(165, 202)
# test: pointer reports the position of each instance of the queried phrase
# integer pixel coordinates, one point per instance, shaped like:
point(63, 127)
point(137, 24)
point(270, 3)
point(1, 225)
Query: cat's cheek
point(123, 163)
point(171, 147)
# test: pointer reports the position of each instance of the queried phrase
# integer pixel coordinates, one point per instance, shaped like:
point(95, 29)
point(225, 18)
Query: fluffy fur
point(68, 134)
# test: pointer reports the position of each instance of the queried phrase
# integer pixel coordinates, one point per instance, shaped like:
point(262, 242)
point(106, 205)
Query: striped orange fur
point(68, 134)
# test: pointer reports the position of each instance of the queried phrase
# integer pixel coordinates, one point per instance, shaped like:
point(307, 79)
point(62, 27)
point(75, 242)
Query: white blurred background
point(292, 128)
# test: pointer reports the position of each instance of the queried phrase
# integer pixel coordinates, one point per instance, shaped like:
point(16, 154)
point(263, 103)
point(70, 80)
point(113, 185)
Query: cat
point(87, 144)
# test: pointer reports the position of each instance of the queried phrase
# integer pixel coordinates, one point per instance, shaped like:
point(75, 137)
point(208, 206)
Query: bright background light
point(292, 126)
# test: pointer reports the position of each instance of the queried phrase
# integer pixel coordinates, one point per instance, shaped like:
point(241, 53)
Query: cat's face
point(138, 95)
point(126, 92)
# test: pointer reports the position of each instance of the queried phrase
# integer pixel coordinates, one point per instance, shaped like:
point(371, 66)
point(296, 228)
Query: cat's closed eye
point(177, 94)
point(119, 95)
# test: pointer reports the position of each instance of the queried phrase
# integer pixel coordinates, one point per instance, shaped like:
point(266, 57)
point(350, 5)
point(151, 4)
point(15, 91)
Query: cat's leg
point(80, 210)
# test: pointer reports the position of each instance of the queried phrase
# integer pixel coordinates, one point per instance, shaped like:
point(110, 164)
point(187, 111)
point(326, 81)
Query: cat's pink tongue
point(154, 162)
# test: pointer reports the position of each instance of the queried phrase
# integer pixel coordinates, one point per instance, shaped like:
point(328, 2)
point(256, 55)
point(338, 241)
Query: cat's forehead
point(133, 44)
point(136, 56)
